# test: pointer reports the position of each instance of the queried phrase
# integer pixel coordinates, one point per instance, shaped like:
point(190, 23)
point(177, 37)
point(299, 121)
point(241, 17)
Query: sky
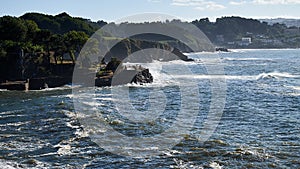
point(112, 10)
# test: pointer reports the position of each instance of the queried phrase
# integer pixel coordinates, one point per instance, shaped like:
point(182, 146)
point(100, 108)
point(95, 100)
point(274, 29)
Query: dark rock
point(143, 76)
point(222, 49)
point(101, 82)
point(189, 60)
point(15, 85)
point(180, 55)
point(125, 77)
point(113, 65)
point(48, 82)
point(58, 81)
point(37, 83)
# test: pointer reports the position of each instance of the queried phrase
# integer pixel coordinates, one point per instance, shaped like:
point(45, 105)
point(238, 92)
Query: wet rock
point(125, 77)
point(143, 76)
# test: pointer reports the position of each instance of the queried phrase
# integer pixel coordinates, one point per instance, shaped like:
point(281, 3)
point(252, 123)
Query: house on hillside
point(246, 41)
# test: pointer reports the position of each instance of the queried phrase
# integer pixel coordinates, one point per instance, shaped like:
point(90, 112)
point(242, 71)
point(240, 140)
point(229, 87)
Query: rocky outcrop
point(143, 76)
point(124, 77)
point(114, 73)
point(221, 49)
point(183, 57)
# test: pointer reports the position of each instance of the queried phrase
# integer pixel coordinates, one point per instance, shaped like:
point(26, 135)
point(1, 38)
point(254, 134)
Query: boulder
point(143, 76)
point(125, 77)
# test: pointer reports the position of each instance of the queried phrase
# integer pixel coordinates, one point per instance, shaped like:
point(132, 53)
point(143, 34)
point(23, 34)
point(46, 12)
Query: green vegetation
point(229, 31)
point(63, 23)
point(29, 45)
point(35, 44)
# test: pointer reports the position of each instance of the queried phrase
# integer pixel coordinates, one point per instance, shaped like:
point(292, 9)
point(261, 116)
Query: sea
point(239, 109)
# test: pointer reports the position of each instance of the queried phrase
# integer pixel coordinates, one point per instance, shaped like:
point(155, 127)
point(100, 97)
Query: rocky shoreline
point(36, 83)
point(110, 74)
point(125, 76)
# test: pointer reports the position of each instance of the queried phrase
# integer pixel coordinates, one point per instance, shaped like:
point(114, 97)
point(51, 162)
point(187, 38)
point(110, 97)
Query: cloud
point(265, 2)
point(237, 2)
point(199, 4)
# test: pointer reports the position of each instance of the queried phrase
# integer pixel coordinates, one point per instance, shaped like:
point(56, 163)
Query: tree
point(74, 41)
point(32, 29)
point(12, 28)
point(10, 62)
point(57, 44)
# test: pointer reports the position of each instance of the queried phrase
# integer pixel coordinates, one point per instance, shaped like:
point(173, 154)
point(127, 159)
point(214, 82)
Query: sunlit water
point(259, 128)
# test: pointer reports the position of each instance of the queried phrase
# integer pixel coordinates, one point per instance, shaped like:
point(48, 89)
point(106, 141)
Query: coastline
point(103, 81)
point(119, 76)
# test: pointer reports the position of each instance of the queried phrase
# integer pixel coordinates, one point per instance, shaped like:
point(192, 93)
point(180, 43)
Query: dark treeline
point(233, 29)
point(63, 23)
point(32, 43)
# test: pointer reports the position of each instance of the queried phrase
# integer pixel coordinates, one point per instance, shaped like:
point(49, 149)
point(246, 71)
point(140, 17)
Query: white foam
point(227, 77)
point(104, 98)
point(159, 77)
point(9, 165)
point(276, 75)
point(93, 104)
point(246, 59)
point(215, 165)
point(295, 87)
point(294, 94)
point(199, 53)
point(245, 50)
point(72, 126)
point(296, 90)
point(11, 112)
point(13, 115)
point(14, 124)
point(236, 50)
point(81, 133)
point(73, 115)
point(63, 149)
point(183, 164)
point(65, 87)
point(70, 96)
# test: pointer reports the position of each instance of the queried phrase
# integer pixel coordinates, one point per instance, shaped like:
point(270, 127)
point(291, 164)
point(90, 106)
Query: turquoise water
point(259, 127)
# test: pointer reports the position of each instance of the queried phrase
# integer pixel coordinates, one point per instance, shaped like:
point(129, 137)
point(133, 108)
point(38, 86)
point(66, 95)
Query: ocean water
point(259, 126)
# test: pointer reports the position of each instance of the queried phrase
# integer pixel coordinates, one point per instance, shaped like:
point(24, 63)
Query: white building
point(245, 41)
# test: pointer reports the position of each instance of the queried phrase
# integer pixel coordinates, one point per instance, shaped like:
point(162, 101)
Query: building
point(245, 41)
